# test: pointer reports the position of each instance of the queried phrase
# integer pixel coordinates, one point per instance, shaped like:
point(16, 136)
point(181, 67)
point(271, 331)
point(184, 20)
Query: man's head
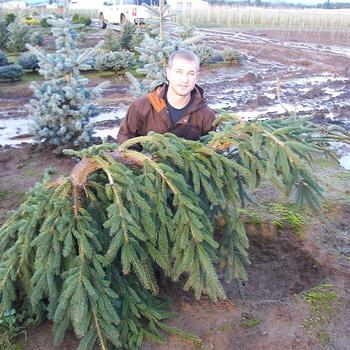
point(182, 72)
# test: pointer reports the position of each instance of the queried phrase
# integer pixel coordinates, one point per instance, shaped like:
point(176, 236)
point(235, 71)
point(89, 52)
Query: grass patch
point(227, 326)
point(99, 74)
point(9, 330)
point(29, 76)
point(30, 172)
point(343, 175)
point(282, 215)
point(4, 194)
point(11, 195)
point(287, 215)
point(248, 321)
point(327, 162)
point(322, 300)
point(251, 216)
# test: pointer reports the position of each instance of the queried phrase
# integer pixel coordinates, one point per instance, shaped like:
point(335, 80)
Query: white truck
point(119, 11)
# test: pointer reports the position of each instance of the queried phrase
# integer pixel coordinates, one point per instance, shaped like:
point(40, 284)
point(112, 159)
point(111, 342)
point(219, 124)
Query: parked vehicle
point(119, 11)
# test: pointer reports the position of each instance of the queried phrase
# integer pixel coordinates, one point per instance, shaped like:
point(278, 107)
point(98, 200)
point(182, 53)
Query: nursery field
point(298, 291)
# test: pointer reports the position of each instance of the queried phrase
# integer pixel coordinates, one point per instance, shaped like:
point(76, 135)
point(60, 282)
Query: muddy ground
point(272, 312)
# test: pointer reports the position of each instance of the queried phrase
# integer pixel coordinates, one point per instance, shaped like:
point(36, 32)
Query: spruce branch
point(99, 333)
point(83, 250)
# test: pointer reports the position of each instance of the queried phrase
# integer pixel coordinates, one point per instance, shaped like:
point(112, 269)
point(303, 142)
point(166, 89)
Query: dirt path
point(314, 75)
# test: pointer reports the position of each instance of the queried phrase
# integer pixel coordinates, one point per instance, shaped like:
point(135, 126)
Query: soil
point(269, 311)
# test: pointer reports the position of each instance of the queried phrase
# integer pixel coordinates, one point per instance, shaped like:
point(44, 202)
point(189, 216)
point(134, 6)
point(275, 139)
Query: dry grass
point(270, 18)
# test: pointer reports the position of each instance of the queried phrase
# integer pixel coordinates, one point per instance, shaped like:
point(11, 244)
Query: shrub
point(19, 35)
point(36, 39)
point(11, 72)
point(31, 21)
point(28, 61)
point(3, 59)
point(10, 18)
point(128, 31)
point(3, 33)
point(111, 40)
point(117, 61)
point(137, 39)
point(86, 20)
point(204, 52)
point(186, 31)
point(9, 330)
point(81, 19)
point(75, 18)
point(44, 23)
point(231, 56)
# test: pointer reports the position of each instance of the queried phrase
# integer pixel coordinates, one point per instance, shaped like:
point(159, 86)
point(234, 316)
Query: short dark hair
point(184, 54)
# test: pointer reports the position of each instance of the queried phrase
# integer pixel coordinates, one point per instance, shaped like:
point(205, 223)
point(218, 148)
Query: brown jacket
point(149, 113)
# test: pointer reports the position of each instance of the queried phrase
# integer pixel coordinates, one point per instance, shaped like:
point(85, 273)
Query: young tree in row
point(62, 107)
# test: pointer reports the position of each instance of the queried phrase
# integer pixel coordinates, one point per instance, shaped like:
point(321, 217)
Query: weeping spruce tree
point(84, 251)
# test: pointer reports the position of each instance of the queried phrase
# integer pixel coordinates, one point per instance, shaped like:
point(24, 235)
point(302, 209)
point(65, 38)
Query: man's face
point(182, 76)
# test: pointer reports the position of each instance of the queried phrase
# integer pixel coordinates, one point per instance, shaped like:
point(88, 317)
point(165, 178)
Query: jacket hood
point(157, 98)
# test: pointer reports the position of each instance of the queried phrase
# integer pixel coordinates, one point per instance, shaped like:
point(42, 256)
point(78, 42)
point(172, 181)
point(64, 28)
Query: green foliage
point(186, 31)
point(279, 214)
point(111, 40)
point(44, 23)
point(81, 19)
point(204, 52)
point(10, 18)
point(251, 216)
point(31, 21)
point(12, 72)
point(3, 33)
point(248, 321)
point(323, 303)
point(28, 61)
point(19, 36)
point(84, 250)
point(3, 59)
point(278, 150)
point(128, 31)
point(118, 60)
point(4, 194)
point(231, 56)
point(9, 330)
point(36, 39)
point(62, 107)
point(288, 214)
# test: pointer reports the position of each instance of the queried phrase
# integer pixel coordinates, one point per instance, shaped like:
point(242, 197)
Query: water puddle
point(14, 131)
point(11, 131)
point(224, 37)
point(345, 162)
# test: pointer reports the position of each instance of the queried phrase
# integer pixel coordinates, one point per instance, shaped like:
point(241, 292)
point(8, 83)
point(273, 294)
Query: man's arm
point(131, 124)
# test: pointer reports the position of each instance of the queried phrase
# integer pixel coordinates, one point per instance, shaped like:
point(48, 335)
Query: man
point(177, 107)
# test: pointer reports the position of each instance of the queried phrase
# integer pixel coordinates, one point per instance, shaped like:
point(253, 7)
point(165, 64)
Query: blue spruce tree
point(62, 107)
